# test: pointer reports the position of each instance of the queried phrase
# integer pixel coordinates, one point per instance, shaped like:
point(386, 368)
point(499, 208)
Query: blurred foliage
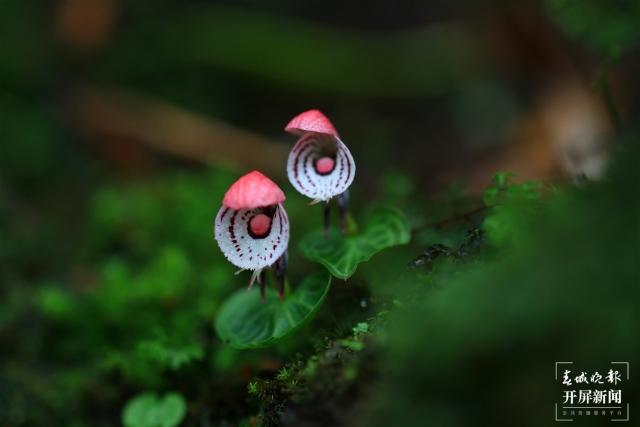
point(484, 112)
point(603, 25)
point(513, 207)
point(430, 60)
point(137, 301)
point(147, 410)
point(488, 340)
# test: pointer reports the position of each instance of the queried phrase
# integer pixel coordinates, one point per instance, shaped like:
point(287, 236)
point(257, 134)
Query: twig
point(101, 112)
point(447, 221)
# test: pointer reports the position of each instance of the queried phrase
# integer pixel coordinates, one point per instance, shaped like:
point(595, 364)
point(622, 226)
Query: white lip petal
point(302, 172)
point(243, 250)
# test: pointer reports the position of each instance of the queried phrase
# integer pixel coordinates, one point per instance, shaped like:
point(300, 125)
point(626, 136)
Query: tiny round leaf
point(147, 410)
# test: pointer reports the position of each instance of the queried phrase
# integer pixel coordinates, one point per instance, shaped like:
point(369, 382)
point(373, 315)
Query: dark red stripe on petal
point(295, 167)
point(308, 144)
point(306, 172)
point(346, 159)
point(295, 170)
point(223, 214)
point(298, 145)
point(232, 221)
point(342, 161)
point(302, 143)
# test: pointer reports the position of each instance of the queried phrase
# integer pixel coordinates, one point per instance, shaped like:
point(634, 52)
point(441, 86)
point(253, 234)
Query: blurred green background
point(123, 123)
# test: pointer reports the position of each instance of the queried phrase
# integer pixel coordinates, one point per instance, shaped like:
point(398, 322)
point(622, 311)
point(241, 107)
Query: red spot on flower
point(260, 224)
point(325, 165)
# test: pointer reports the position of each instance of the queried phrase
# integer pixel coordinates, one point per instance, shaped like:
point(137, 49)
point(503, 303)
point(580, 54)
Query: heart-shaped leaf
point(244, 322)
point(147, 410)
point(341, 255)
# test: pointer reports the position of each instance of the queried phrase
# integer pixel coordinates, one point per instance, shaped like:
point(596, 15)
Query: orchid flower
point(252, 228)
point(320, 166)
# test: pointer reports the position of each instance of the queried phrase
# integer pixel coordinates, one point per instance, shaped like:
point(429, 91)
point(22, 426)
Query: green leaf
point(147, 410)
point(490, 195)
point(500, 179)
point(529, 190)
point(244, 322)
point(361, 328)
point(341, 255)
point(169, 356)
point(602, 24)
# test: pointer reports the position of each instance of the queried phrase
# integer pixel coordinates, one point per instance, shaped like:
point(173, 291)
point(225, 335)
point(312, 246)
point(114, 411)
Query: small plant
point(252, 228)
point(361, 328)
point(320, 166)
point(284, 373)
point(252, 388)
